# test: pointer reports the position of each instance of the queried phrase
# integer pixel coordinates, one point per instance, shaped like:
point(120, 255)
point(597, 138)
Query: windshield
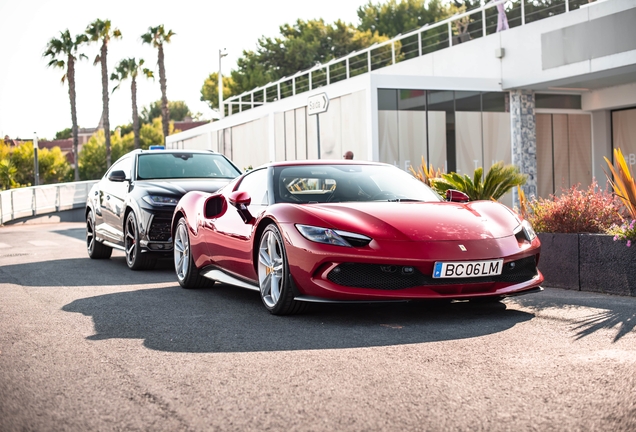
point(348, 183)
point(184, 165)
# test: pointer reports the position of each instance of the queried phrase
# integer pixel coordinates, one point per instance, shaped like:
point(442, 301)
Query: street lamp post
point(36, 171)
point(222, 53)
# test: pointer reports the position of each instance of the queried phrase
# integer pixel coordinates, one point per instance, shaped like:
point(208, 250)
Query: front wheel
point(134, 258)
point(276, 285)
point(95, 249)
point(187, 273)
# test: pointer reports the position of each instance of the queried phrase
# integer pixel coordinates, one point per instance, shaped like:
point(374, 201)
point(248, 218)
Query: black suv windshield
point(164, 165)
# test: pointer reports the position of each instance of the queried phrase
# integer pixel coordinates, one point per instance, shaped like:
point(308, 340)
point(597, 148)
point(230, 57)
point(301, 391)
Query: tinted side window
point(122, 164)
point(255, 183)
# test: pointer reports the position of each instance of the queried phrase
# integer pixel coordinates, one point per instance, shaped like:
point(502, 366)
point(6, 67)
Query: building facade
point(553, 96)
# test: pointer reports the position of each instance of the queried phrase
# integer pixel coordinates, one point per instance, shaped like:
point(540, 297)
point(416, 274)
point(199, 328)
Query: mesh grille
point(160, 227)
point(389, 277)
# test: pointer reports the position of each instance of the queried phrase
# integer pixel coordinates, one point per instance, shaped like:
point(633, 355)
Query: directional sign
point(317, 104)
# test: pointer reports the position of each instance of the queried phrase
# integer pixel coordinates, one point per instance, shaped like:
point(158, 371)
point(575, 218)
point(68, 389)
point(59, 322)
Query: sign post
point(317, 104)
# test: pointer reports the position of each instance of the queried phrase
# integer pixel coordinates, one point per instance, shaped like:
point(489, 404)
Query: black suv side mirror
point(117, 176)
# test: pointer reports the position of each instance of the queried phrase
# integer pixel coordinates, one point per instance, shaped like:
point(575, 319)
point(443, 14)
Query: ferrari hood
point(419, 221)
point(179, 188)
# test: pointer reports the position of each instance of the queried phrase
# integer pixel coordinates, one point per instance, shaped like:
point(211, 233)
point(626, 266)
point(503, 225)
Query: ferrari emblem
point(463, 248)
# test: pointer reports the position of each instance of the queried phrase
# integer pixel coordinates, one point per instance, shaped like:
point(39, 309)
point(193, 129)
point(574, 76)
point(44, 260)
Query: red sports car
point(342, 231)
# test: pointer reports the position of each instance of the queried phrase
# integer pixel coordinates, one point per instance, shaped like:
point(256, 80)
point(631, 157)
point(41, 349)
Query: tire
point(95, 249)
point(187, 273)
point(275, 281)
point(134, 258)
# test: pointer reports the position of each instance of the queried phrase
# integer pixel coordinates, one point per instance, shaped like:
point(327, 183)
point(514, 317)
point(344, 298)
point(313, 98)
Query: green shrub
point(499, 180)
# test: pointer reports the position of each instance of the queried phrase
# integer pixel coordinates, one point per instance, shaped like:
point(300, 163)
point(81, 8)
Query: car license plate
point(467, 269)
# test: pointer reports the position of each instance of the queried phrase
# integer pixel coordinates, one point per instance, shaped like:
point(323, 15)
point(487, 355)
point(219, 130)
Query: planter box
point(588, 262)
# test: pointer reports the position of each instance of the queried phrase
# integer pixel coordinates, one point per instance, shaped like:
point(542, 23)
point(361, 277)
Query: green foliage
point(576, 211)
point(92, 158)
point(178, 111)
point(157, 36)
point(129, 68)
point(16, 168)
point(299, 47)
point(399, 17)
point(65, 50)
point(426, 173)
point(499, 180)
point(22, 159)
point(210, 89)
point(53, 166)
point(7, 174)
point(64, 134)
point(625, 232)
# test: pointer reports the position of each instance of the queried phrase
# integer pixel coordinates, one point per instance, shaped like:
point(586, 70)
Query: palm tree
point(157, 36)
point(498, 181)
point(102, 31)
point(130, 68)
point(63, 54)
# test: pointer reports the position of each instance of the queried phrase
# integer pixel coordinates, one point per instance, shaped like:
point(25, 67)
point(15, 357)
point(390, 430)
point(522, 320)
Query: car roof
point(172, 151)
point(326, 162)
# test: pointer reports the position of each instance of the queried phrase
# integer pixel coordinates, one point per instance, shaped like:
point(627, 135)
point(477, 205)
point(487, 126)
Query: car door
point(232, 248)
point(112, 198)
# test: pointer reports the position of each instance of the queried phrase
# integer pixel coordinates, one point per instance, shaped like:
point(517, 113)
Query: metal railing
point(460, 28)
point(39, 200)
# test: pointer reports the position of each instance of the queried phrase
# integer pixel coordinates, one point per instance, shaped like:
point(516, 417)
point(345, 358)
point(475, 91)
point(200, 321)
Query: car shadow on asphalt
point(85, 272)
point(613, 312)
point(225, 319)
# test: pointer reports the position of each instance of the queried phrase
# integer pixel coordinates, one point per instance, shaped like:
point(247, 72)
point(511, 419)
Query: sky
point(34, 101)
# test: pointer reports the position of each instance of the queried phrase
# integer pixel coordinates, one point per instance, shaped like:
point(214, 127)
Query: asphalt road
point(90, 345)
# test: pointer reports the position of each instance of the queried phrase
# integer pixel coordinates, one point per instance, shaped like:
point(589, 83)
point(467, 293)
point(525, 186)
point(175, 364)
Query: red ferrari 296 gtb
point(341, 231)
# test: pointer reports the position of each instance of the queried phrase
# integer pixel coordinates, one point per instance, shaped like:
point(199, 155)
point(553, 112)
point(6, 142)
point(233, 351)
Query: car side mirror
point(117, 176)
point(241, 200)
point(453, 195)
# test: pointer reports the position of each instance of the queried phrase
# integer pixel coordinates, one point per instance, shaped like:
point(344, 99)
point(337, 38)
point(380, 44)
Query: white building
point(553, 96)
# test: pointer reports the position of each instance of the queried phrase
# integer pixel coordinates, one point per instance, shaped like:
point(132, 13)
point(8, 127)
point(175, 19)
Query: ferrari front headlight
point(525, 232)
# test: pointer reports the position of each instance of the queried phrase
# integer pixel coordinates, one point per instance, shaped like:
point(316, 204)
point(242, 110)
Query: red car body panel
point(403, 234)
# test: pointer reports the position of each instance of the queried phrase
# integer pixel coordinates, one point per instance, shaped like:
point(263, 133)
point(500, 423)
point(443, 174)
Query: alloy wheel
point(270, 269)
point(181, 252)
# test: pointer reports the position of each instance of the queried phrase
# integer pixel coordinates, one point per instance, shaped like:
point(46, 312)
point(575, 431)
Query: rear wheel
point(276, 285)
point(95, 249)
point(134, 258)
point(187, 273)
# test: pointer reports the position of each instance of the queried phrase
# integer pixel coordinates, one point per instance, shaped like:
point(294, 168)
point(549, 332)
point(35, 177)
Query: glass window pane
point(557, 101)
point(387, 99)
point(623, 133)
point(467, 101)
point(496, 102)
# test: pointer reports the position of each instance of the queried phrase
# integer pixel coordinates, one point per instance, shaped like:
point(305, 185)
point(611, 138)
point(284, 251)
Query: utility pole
point(36, 171)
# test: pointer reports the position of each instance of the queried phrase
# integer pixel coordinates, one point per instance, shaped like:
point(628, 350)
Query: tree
point(92, 158)
point(102, 31)
point(157, 36)
point(499, 180)
point(399, 17)
point(300, 46)
point(63, 54)
point(130, 68)
point(210, 89)
point(7, 174)
point(178, 111)
point(64, 134)
point(53, 166)
point(22, 160)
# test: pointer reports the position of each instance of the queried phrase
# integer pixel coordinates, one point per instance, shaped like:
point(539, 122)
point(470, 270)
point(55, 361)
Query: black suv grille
point(160, 227)
point(391, 277)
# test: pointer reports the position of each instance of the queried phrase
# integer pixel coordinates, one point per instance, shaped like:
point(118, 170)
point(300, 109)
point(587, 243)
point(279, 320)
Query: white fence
point(39, 200)
point(460, 28)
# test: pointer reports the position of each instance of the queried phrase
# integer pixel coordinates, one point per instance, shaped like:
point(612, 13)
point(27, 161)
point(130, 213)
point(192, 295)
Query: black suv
point(131, 207)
